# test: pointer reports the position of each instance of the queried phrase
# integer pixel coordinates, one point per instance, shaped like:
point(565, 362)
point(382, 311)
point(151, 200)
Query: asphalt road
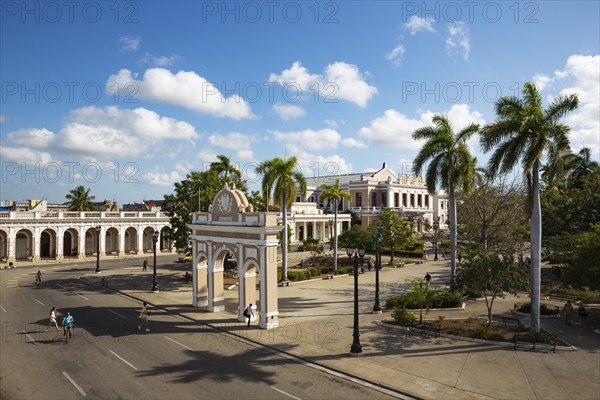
point(108, 358)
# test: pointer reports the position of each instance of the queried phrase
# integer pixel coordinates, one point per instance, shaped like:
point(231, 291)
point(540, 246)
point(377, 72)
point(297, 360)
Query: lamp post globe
point(98, 228)
point(155, 235)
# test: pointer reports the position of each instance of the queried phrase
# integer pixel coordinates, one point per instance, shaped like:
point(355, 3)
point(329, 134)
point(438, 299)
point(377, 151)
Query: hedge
point(441, 299)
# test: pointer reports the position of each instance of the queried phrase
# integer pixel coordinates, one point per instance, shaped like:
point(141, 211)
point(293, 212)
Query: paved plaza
point(316, 325)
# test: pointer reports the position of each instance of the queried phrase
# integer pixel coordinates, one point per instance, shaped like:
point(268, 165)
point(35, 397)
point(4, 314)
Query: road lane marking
point(287, 394)
point(116, 313)
point(74, 383)
point(122, 359)
point(29, 337)
point(3, 309)
point(39, 302)
point(176, 342)
point(82, 296)
point(59, 285)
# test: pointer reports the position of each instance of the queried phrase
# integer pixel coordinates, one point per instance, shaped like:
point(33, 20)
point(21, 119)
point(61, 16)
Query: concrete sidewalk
point(316, 324)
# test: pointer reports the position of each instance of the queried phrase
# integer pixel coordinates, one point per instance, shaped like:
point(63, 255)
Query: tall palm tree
point(225, 168)
point(580, 165)
point(80, 199)
point(281, 176)
point(450, 165)
point(334, 193)
point(523, 133)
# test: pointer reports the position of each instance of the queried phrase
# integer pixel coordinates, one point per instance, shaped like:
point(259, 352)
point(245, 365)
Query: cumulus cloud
point(313, 165)
point(340, 81)
point(395, 56)
point(395, 129)
point(459, 39)
point(288, 112)
point(24, 155)
point(351, 142)
point(129, 43)
point(159, 177)
point(236, 141)
point(108, 132)
point(417, 24)
point(184, 88)
point(310, 139)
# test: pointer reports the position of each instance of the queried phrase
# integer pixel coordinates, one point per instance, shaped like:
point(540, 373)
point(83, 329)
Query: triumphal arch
point(230, 227)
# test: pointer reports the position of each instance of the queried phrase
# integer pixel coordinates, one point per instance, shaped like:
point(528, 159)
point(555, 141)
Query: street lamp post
point(154, 240)
point(356, 348)
point(98, 249)
point(436, 229)
point(378, 239)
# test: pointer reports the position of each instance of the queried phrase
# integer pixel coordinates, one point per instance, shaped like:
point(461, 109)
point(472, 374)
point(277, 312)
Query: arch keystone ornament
point(230, 227)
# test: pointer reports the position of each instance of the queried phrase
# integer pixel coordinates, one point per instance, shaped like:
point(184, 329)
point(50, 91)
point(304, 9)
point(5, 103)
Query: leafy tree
point(580, 165)
point(314, 246)
point(334, 193)
point(486, 271)
point(281, 176)
point(422, 295)
point(523, 133)
point(356, 236)
point(585, 268)
point(493, 213)
point(225, 169)
point(395, 231)
point(256, 199)
point(80, 199)
point(450, 165)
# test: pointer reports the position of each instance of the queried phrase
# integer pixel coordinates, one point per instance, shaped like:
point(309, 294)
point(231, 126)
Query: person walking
point(38, 278)
point(248, 313)
point(369, 265)
point(68, 323)
point(53, 313)
point(568, 312)
point(144, 314)
point(427, 279)
point(145, 265)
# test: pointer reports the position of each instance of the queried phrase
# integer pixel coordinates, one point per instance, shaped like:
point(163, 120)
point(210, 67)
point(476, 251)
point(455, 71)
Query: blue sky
point(127, 98)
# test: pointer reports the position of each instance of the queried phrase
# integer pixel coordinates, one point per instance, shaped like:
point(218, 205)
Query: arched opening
point(48, 244)
point(91, 242)
point(24, 245)
point(3, 246)
point(70, 240)
point(111, 241)
point(247, 289)
point(130, 240)
point(165, 241)
point(147, 240)
point(309, 230)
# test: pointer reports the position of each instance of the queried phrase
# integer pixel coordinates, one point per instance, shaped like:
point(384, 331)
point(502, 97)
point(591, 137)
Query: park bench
point(532, 345)
point(512, 322)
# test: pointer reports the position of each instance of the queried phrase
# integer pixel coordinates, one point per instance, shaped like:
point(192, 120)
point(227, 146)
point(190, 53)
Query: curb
point(273, 350)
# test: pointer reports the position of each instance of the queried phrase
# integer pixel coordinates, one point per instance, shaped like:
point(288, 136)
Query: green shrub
point(586, 296)
point(403, 316)
point(447, 300)
point(489, 333)
point(472, 293)
point(394, 302)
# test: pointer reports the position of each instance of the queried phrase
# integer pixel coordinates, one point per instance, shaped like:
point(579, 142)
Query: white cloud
point(310, 139)
point(24, 155)
point(395, 129)
point(312, 165)
point(331, 123)
point(459, 39)
point(288, 112)
point(238, 142)
point(541, 81)
point(351, 142)
point(395, 56)
point(108, 132)
point(416, 24)
point(129, 43)
point(341, 81)
point(158, 177)
point(160, 61)
point(185, 88)
point(207, 156)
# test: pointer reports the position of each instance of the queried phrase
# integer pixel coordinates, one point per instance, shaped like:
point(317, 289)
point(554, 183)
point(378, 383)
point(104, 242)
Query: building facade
point(57, 235)
point(373, 192)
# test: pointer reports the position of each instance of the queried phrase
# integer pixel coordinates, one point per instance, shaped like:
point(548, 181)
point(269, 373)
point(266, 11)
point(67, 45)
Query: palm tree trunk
point(536, 244)
point(335, 237)
point(452, 227)
point(284, 239)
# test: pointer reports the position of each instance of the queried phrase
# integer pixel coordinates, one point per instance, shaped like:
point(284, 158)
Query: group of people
point(568, 311)
point(68, 323)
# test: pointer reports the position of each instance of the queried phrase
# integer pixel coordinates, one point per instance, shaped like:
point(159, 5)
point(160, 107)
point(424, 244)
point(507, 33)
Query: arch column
point(269, 313)
point(140, 240)
point(37, 232)
point(60, 243)
point(11, 238)
point(200, 277)
point(81, 244)
point(121, 251)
